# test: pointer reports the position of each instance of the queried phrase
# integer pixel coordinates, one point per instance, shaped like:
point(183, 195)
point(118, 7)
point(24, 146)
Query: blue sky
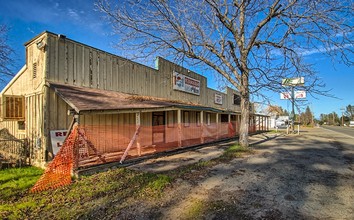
point(78, 20)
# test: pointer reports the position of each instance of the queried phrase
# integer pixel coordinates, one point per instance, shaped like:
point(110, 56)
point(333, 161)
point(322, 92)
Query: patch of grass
point(88, 197)
point(220, 209)
point(195, 210)
point(15, 181)
point(100, 195)
point(216, 209)
point(191, 171)
point(152, 184)
point(234, 151)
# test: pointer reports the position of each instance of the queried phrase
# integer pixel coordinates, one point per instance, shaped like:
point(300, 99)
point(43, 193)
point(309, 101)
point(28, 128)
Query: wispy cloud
point(322, 49)
point(72, 13)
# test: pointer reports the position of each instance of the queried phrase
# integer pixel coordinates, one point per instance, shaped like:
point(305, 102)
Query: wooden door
point(158, 127)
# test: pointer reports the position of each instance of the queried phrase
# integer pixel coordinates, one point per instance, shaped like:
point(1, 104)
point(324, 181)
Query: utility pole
point(342, 116)
point(293, 107)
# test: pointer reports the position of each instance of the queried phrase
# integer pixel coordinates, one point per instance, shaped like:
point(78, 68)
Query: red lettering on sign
point(192, 82)
point(60, 134)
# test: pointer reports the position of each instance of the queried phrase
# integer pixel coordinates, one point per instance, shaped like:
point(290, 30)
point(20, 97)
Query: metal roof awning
point(88, 100)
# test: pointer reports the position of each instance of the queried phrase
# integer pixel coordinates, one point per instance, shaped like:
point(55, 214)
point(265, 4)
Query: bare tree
point(5, 54)
point(252, 44)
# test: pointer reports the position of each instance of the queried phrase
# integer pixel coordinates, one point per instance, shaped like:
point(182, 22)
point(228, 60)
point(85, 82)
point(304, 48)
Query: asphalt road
point(343, 130)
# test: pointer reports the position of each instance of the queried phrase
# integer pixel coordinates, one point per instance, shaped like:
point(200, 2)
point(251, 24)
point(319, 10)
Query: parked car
point(351, 124)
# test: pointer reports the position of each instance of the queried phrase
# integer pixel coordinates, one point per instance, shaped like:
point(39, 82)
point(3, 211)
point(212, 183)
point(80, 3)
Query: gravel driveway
point(306, 176)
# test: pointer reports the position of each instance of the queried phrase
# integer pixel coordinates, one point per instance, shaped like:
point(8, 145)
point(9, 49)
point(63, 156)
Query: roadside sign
point(293, 81)
point(57, 138)
point(285, 95)
point(298, 95)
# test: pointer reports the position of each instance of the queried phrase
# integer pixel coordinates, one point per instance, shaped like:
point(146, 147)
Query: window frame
point(13, 106)
point(236, 101)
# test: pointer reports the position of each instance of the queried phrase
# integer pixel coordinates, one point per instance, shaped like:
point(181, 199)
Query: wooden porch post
point(217, 126)
point(229, 125)
point(179, 127)
point(259, 123)
point(137, 125)
point(268, 123)
point(202, 126)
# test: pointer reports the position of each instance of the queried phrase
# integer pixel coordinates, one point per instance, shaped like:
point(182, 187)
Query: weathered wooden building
point(111, 96)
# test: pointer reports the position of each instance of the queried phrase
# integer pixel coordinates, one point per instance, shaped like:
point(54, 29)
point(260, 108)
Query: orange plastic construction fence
point(91, 145)
point(59, 171)
point(103, 144)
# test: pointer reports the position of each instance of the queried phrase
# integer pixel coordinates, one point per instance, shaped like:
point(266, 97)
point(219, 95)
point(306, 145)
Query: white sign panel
point(218, 99)
point(293, 81)
point(57, 137)
point(185, 83)
point(300, 94)
point(285, 95)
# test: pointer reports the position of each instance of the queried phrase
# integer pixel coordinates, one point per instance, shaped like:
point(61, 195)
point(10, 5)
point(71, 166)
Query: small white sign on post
point(285, 95)
point(293, 81)
point(57, 138)
point(300, 94)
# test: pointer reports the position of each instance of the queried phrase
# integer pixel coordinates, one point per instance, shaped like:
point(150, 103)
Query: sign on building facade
point(57, 138)
point(218, 99)
point(186, 84)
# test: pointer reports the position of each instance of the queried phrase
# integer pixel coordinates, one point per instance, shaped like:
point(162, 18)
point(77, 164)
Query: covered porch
point(114, 127)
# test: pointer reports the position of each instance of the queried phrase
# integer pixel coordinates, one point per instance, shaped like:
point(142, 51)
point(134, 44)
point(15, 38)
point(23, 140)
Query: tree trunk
point(245, 115)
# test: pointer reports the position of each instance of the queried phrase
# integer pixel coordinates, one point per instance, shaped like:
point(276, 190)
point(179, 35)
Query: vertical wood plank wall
point(65, 61)
point(29, 83)
point(77, 64)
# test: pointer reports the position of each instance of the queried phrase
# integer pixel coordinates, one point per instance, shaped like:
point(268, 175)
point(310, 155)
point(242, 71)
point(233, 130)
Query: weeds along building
point(122, 107)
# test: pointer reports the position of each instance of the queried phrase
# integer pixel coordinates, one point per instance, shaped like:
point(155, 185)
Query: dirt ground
point(306, 176)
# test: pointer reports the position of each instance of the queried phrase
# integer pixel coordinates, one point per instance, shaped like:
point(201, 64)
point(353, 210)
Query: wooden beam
point(130, 144)
point(137, 123)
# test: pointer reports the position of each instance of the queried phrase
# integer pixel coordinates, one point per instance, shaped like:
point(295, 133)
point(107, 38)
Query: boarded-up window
point(14, 107)
point(237, 99)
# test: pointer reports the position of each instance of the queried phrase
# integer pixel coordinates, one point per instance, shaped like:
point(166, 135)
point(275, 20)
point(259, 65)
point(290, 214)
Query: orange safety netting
point(59, 171)
point(104, 144)
point(91, 145)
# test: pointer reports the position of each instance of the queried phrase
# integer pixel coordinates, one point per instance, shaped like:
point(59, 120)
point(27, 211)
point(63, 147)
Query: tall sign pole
point(293, 107)
point(292, 82)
